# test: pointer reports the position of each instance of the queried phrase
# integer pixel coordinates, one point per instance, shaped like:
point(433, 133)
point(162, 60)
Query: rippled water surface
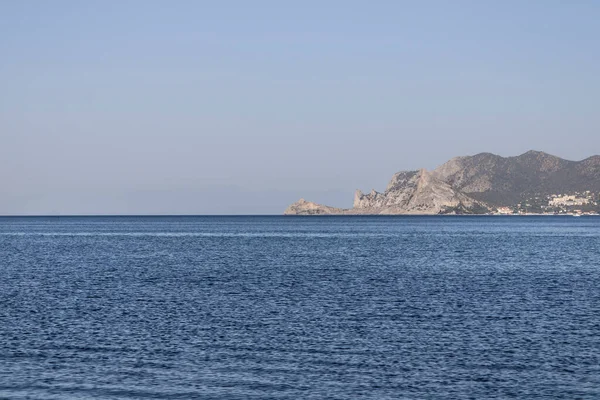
point(299, 308)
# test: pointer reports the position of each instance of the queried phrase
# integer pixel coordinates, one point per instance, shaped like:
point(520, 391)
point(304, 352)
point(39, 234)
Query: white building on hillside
point(568, 201)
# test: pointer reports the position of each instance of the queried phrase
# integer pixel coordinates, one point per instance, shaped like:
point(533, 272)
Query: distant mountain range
point(471, 185)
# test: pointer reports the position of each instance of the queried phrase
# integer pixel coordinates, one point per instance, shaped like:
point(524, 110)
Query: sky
point(242, 107)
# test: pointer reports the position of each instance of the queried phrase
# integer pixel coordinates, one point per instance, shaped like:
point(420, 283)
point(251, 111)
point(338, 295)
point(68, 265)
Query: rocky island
point(481, 184)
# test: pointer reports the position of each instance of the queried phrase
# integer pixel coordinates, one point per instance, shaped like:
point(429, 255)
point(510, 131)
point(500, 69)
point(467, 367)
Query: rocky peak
point(534, 153)
point(540, 161)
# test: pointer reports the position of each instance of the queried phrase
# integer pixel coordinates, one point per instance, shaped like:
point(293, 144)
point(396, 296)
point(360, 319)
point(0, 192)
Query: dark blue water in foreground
point(300, 308)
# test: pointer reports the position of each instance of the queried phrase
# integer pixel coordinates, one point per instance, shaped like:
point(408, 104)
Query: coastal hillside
point(479, 184)
point(504, 181)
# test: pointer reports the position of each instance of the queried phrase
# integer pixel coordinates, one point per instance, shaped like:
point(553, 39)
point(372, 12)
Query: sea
point(269, 307)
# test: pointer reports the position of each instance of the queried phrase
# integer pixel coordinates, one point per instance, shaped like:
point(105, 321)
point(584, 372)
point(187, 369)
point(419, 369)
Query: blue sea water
point(299, 308)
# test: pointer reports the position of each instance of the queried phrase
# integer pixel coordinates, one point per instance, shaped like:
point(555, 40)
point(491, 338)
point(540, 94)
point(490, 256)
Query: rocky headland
point(469, 185)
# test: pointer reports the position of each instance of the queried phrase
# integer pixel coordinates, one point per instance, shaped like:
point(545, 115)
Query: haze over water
point(299, 308)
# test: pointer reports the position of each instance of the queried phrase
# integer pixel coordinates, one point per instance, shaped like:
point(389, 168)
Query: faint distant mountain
point(470, 185)
point(506, 180)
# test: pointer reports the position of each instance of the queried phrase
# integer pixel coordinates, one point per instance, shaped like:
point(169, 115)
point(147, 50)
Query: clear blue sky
point(244, 106)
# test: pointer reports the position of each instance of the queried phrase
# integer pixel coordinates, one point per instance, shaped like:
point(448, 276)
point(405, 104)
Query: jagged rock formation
point(415, 192)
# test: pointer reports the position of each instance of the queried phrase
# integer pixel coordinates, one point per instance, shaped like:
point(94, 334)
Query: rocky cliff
point(409, 192)
point(415, 192)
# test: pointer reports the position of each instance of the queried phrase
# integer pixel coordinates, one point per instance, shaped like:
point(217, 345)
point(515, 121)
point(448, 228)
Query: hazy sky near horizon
point(239, 107)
